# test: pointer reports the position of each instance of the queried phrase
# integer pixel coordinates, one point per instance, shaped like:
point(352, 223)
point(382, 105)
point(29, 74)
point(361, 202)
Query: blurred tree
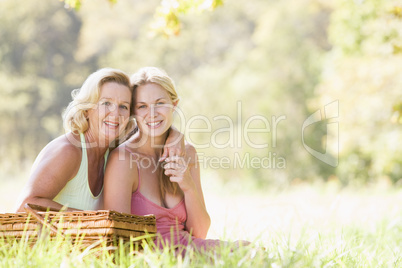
point(166, 18)
point(362, 72)
point(76, 4)
point(255, 59)
point(167, 21)
point(37, 72)
point(290, 42)
point(239, 62)
point(245, 53)
point(397, 115)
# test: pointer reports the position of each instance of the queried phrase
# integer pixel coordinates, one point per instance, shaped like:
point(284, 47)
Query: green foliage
point(367, 27)
point(397, 116)
point(266, 59)
point(37, 74)
point(362, 73)
point(167, 21)
point(76, 4)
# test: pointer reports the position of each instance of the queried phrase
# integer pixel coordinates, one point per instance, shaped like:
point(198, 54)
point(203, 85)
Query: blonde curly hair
point(86, 97)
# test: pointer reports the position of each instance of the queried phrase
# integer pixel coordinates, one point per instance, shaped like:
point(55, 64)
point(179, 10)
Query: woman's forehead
point(112, 90)
point(150, 92)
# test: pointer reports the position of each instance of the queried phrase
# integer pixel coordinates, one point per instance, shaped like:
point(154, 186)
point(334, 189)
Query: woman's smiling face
point(153, 109)
point(112, 112)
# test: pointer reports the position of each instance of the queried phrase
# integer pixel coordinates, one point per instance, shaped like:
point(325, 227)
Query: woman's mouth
point(111, 124)
point(154, 124)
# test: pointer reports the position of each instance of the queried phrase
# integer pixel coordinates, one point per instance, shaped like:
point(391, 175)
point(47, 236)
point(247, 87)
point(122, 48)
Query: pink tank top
point(170, 222)
point(166, 218)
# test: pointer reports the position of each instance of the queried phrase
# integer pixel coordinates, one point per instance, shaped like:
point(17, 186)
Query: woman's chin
point(155, 133)
point(110, 137)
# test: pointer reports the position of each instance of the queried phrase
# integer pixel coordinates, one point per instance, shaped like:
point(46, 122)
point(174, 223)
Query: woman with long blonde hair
point(136, 183)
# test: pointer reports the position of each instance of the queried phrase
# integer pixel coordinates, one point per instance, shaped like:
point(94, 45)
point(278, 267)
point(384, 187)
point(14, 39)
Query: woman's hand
point(186, 172)
point(174, 145)
point(178, 170)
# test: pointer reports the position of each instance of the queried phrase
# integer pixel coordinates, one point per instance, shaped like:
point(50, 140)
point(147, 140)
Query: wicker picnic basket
point(87, 226)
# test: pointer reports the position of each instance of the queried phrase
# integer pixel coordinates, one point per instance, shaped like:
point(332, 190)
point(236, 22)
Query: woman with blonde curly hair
point(69, 171)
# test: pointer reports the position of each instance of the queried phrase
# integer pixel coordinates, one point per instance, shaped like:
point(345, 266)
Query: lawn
point(303, 226)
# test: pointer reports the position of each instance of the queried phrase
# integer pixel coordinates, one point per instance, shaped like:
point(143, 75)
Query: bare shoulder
point(122, 168)
point(191, 153)
point(190, 149)
point(122, 158)
point(119, 154)
point(67, 143)
point(58, 162)
point(64, 148)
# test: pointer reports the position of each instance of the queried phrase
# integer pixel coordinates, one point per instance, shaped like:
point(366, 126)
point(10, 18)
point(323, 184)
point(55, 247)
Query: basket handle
point(32, 209)
point(41, 208)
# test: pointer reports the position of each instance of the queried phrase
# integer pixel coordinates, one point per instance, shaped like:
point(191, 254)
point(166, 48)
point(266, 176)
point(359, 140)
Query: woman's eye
point(123, 107)
point(141, 107)
point(106, 103)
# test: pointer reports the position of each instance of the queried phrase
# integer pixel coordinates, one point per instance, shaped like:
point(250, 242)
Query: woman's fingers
point(176, 159)
point(176, 151)
point(173, 158)
point(173, 165)
point(175, 179)
point(170, 152)
point(176, 168)
point(176, 171)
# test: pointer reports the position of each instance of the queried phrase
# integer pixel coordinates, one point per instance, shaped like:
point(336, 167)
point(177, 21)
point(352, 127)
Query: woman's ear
point(175, 103)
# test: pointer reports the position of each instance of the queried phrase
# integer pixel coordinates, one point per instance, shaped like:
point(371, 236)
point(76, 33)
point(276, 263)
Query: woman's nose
point(153, 111)
point(113, 109)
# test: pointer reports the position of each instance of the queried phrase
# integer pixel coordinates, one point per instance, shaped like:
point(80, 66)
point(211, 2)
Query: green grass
point(351, 246)
point(304, 226)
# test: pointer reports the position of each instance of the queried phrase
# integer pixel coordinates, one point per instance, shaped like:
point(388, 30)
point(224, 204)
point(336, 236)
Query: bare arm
point(121, 177)
point(58, 162)
point(188, 178)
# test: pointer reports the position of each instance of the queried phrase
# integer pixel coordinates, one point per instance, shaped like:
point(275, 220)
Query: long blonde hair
point(160, 77)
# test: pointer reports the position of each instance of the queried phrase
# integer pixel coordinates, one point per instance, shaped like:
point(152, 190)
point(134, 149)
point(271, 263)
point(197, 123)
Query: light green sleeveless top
point(76, 193)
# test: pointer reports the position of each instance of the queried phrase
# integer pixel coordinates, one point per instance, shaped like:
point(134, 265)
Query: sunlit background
point(294, 106)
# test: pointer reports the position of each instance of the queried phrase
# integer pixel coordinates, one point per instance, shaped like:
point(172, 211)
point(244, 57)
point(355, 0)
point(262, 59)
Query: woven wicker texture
point(92, 225)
